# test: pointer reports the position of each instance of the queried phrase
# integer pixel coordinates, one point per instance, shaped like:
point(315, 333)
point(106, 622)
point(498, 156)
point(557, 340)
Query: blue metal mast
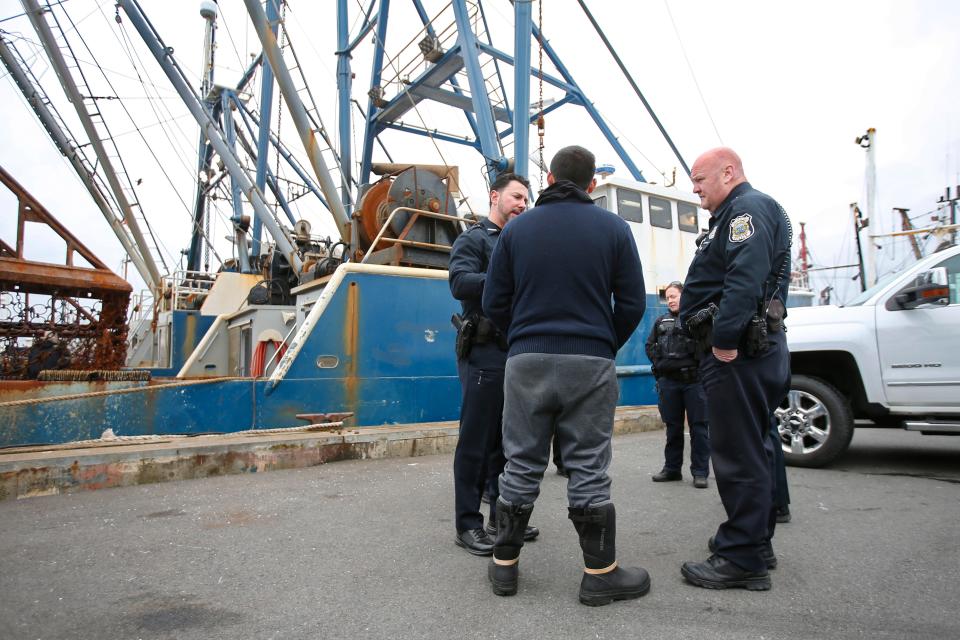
point(438, 83)
point(521, 74)
point(470, 52)
point(344, 87)
point(266, 113)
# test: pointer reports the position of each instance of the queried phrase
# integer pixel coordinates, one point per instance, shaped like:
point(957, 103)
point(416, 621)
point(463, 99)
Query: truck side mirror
point(929, 287)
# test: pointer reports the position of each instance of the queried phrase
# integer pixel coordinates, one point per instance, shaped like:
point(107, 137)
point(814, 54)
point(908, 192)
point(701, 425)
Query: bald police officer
point(733, 302)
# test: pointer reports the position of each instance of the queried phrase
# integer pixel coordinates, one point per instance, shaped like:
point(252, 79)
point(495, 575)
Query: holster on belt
point(755, 337)
point(466, 329)
point(488, 332)
point(769, 320)
point(700, 326)
point(475, 329)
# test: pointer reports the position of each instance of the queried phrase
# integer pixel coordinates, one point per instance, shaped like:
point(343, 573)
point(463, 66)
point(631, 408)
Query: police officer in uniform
point(671, 351)
point(733, 303)
point(481, 357)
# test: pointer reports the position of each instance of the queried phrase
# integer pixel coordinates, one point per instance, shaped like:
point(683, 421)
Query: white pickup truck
point(889, 358)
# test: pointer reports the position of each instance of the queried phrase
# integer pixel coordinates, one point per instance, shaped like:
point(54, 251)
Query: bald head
point(715, 174)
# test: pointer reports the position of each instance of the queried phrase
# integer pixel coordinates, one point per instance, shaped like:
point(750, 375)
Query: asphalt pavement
point(364, 549)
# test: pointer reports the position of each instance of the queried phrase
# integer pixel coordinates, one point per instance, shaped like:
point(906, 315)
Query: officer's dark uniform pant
point(677, 398)
point(741, 397)
point(479, 447)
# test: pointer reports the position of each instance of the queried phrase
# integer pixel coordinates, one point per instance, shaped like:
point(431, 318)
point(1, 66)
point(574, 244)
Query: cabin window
point(687, 217)
point(246, 351)
point(629, 205)
point(660, 213)
point(601, 202)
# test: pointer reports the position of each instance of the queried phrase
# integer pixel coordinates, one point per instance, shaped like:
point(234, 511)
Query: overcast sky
point(788, 85)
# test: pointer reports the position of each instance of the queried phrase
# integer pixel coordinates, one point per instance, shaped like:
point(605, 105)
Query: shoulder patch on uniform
point(741, 228)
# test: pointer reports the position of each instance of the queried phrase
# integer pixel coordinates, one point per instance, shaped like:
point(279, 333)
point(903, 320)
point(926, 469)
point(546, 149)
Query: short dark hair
point(506, 178)
point(573, 163)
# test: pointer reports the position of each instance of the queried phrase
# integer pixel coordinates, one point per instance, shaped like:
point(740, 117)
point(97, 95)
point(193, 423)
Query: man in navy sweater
point(566, 286)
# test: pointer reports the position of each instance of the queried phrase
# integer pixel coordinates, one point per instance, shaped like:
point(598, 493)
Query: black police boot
point(766, 553)
point(603, 581)
point(719, 573)
point(512, 522)
point(667, 475)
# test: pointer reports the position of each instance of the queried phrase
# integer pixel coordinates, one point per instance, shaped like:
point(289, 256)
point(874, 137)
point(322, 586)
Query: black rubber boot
point(597, 527)
point(512, 522)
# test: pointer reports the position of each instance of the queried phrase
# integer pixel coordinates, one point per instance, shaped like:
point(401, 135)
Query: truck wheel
point(816, 423)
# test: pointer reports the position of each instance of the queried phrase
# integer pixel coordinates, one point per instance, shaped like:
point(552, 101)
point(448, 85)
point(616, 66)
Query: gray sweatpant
point(574, 395)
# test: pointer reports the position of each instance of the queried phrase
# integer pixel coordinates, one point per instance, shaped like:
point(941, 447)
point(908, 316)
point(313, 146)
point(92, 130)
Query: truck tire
point(815, 422)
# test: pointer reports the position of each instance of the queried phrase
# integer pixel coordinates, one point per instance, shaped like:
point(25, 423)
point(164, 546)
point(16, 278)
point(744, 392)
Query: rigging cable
point(127, 44)
point(692, 74)
point(233, 44)
point(633, 84)
point(158, 244)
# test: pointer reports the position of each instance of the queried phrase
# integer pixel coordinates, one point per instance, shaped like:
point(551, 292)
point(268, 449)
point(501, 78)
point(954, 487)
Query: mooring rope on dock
point(109, 392)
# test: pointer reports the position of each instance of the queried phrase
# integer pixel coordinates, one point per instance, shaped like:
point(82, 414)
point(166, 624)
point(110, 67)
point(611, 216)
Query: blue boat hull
point(392, 342)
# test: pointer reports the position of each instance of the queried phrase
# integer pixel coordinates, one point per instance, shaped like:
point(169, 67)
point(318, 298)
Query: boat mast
point(208, 11)
point(35, 14)
point(858, 225)
point(210, 129)
point(868, 142)
point(266, 114)
point(301, 120)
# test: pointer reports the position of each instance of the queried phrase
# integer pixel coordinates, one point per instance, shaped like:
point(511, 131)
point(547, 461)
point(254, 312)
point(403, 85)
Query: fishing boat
point(349, 315)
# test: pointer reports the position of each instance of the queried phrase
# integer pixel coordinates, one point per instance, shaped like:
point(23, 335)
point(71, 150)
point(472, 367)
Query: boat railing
point(186, 290)
point(800, 279)
point(409, 243)
point(141, 307)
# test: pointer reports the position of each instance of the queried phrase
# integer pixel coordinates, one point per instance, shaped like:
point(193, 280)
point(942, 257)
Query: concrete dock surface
point(364, 549)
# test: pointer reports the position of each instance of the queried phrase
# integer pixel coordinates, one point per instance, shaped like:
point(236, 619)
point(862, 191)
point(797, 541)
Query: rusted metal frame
point(421, 212)
point(80, 310)
point(419, 245)
point(402, 236)
point(52, 278)
point(58, 132)
point(31, 209)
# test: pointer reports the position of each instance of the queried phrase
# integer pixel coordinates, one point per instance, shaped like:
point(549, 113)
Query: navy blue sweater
point(565, 278)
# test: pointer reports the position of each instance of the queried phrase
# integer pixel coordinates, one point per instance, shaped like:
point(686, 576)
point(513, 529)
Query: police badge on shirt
point(741, 228)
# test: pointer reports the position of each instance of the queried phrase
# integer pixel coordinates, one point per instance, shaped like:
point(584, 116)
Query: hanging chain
point(540, 121)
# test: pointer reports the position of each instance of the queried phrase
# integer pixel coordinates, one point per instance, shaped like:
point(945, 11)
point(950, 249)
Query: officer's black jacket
point(738, 261)
point(469, 258)
point(681, 348)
